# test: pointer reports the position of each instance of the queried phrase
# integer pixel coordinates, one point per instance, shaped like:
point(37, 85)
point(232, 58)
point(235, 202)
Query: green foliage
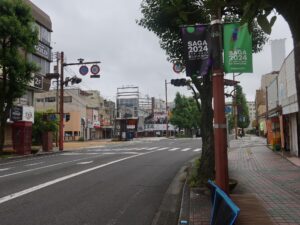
point(243, 111)
point(43, 124)
point(185, 114)
point(17, 38)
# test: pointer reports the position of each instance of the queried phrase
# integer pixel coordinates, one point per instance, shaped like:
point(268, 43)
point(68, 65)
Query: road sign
point(95, 76)
point(83, 70)
point(95, 69)
point(177, 67)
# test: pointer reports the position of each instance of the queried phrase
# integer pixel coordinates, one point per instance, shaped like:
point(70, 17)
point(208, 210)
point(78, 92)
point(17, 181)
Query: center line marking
point(57, 180)
point(4, 169)
point(83, 163)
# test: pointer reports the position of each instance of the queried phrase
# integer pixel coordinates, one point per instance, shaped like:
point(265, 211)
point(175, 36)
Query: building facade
point(84, 111)
point(42, 57)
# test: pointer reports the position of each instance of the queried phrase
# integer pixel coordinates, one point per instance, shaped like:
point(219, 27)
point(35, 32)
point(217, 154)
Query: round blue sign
point(83, 70)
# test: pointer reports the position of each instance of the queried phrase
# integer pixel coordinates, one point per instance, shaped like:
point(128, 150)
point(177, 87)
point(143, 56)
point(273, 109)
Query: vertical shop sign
point(237, 49)
point(196, 49)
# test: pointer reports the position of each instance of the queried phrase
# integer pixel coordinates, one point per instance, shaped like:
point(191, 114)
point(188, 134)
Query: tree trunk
point(206, 169)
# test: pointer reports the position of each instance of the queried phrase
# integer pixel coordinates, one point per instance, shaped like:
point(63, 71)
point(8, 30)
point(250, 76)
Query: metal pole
point(57, 94)
point(220, 139)
point(167, 111)
point(61, 104)
point(235, 109)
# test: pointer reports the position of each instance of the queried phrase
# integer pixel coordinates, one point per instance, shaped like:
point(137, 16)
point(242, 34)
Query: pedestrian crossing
point(155, 148)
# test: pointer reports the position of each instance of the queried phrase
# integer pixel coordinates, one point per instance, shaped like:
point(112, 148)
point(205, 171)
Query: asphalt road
point(116, 184)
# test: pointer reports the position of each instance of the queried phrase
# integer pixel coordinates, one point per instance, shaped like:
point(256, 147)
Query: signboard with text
point(196, 49)
point(237, 49)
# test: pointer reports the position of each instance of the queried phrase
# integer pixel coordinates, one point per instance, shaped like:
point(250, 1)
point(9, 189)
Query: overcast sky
point(106, 31)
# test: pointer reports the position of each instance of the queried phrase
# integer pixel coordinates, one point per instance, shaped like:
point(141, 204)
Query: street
point(114, 184)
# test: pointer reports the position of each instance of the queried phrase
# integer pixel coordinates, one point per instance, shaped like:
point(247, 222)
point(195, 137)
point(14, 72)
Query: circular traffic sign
point(95, 69)
point(177, 67)
point(83, 70)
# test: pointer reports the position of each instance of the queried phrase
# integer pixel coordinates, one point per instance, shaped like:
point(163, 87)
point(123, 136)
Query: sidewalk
point(269, 176)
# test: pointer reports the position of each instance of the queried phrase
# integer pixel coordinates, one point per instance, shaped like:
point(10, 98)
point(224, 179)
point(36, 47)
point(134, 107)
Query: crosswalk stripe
point(173, 149)
point(185, 149)
point(152, 148)
point(163, 148)
point(197, 150)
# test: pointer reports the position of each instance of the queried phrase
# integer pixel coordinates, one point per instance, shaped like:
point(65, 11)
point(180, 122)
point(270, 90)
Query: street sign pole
point(220, 138)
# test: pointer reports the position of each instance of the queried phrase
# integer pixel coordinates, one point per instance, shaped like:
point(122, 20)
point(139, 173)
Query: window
point(67, 99)
point(50, 99)
point(39, 100)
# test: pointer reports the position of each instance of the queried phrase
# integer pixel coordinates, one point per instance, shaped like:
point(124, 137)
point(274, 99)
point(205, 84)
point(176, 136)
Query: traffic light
point(179, 82)
point(75, 80)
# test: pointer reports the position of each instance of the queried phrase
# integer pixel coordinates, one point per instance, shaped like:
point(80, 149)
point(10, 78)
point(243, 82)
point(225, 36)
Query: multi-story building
point(277, 107)
point(40, 82)
point(252, 113)
point(260, 102)
point(84, 111)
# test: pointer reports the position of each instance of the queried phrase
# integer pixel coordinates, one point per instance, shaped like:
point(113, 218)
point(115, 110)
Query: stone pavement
point(272, 177)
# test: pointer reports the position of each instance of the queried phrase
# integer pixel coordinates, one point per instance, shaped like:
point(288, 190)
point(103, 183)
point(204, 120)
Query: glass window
point(67, 99)
point(50, 99)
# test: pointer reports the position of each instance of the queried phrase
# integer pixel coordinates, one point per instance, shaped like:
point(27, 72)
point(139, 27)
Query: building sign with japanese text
point(196, 49)
point(237, 49)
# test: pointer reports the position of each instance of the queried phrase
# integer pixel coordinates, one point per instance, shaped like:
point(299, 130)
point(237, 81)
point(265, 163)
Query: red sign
point(95, 69)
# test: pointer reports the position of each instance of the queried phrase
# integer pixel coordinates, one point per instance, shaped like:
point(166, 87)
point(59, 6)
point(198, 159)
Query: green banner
point(237, 49)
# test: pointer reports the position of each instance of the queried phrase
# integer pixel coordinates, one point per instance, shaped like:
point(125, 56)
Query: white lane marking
point(173, 149)
point(43, 167)
point(152, 148)
point(162, 148)
point(57, 180)
point(197, 149)
point(91, 147)
point(79, 153)
point(185, 149)
point(84, 163)
point(4, 169)
point(34, 164)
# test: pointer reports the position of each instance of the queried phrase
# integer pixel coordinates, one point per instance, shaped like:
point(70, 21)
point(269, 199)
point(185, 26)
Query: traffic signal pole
point(220, 137)
point(167, 110)
point(61, 102)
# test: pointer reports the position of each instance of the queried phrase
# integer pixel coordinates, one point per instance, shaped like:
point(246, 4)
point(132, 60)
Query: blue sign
point(228, 109)
point(83, 70)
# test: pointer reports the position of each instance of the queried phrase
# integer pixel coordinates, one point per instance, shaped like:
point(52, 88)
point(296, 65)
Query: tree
point(242, 108)
point(17, 38)
point(43, 123)
point(164, 18)
point(185, 114)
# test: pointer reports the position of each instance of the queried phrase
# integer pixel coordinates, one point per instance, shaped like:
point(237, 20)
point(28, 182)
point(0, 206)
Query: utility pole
point(167, 110)
point(220, 139)
point(61, 103)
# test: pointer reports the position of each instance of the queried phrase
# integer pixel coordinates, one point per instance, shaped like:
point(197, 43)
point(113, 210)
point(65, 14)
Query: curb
point(170, 206)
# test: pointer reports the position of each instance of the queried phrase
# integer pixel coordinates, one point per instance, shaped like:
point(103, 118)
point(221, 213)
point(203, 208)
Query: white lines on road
point(57, 180)
point(34, 164)
point(84, 163)
point(152, 148)
point(160, 149)
point(173, 149)
point(4, 169)
point(197, 149)
point(185, 149)
point(43, 167)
